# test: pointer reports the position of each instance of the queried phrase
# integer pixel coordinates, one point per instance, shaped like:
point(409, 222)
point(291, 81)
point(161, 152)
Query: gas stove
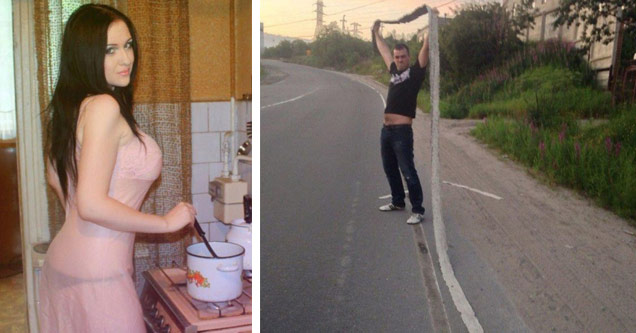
point(168, 307)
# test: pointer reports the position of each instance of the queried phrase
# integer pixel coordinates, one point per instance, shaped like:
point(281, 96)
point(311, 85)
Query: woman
point(100, 165)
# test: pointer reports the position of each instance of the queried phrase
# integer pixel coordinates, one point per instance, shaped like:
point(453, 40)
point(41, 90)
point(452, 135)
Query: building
point(600, 56)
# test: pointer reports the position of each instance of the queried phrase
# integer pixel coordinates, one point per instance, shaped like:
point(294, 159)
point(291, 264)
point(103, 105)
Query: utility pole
point(355, 25)
point(343, 23)
point(319, 14)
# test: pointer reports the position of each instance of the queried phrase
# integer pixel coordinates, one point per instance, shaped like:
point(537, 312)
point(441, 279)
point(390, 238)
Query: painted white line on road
point(291, 100)
point(381, 96)
point(388, 195)
point(353, 78)
point(474, 190)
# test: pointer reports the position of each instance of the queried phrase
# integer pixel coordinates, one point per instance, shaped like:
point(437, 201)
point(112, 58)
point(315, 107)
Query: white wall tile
point(215, 170)
point(206, 147)
point(206, 228)
point(200, 178)
point(199, 117)
point(204, 207)
point(218, 231)
point(219, 116)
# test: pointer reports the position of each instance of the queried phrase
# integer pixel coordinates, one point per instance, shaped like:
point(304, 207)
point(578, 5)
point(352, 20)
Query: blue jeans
point(397, 155)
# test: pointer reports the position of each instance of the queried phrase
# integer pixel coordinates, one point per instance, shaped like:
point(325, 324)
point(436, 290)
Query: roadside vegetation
point(540, 103)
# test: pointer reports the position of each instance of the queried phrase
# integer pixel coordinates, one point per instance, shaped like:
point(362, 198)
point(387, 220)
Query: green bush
point(543, 95)
point(511, 107)
point(282, 50)
point(453, 108)
point(333, 49)
point(623, 126)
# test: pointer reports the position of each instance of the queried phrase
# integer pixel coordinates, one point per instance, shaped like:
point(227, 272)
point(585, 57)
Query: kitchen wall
point(220, 67)
point(210, 121)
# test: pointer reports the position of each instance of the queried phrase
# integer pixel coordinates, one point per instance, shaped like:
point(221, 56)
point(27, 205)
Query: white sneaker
point(390, 207)
point(415, 218)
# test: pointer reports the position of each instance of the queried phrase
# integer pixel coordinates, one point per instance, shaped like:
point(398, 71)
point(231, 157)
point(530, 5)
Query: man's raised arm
point(422, 57)
point(385, 52)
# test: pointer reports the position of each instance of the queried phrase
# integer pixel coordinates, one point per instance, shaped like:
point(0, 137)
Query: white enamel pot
point(212, 279)
point(241, 233)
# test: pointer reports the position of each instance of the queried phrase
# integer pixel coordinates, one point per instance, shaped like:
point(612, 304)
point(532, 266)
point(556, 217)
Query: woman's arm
point(103, 126)
point(54, 181)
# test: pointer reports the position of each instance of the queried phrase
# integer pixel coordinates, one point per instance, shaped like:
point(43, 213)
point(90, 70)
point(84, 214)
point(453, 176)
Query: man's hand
point(376, 26)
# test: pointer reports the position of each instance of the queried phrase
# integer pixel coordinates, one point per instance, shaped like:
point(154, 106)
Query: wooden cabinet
point(220, 49)
point(10, 247)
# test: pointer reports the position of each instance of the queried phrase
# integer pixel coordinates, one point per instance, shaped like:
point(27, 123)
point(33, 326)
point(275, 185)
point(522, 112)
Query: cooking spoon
point(197, 226)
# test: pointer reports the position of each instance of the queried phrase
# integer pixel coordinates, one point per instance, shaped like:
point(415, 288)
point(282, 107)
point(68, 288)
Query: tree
point(599, 15)
point(334, 49)
point(299, 48)
point(480, 37)
point(282, 50)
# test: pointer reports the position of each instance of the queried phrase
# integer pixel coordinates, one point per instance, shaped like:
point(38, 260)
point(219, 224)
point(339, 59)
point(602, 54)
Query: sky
point(297, 18)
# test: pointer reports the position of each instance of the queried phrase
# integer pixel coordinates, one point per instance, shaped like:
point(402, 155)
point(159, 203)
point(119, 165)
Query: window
point(7, 82)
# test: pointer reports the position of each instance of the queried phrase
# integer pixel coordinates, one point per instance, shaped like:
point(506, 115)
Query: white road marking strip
point(381, 96)
point(474, 190)
point(388, 195)
point(345, 259)
point(441, 244)
point(291, 100)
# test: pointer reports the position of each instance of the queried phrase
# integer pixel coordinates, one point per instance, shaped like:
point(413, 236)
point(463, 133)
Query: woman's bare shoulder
point(103, 105)
point(101, 111)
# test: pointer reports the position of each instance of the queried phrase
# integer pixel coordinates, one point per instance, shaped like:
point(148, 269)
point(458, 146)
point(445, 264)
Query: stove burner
point(166, 303)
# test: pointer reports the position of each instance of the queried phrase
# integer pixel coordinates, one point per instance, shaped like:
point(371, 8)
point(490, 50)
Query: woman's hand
point(181, 215)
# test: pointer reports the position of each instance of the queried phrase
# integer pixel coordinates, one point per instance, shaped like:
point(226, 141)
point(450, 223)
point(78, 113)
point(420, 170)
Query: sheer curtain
point(162, 107)
point(7, 88)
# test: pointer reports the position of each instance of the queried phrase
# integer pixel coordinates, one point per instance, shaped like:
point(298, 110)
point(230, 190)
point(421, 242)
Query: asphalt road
point(537, 259)
point(331, 261)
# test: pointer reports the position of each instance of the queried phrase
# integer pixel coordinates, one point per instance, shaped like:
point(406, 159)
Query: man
point(397, 133)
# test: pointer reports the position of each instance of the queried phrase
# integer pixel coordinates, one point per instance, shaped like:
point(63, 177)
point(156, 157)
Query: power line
point(448, 3)
point(286, 23)
point(354, 8)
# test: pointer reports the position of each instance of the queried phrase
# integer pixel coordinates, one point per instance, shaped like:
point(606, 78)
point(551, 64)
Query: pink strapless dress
point(86, 282)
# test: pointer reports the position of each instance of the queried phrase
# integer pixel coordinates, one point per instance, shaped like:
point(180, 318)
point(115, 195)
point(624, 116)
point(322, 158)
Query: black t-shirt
point(403, 89)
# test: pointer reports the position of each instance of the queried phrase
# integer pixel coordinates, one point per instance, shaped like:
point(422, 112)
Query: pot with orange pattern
point(212, 279)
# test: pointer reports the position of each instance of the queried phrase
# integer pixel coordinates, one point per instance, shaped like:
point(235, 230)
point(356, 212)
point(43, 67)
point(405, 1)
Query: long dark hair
point(82, 75)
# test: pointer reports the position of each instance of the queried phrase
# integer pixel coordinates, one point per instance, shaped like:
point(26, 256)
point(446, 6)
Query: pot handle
point(232, 268)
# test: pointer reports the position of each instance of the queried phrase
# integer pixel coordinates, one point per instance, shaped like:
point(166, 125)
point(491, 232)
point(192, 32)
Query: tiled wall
point(210, 121)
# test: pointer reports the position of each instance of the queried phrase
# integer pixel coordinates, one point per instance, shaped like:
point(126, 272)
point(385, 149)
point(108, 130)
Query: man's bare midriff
point(397, 119)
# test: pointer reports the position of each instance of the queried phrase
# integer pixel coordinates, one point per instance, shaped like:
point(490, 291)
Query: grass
point(424, 101)
point(542, 110)
point(598, 161)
